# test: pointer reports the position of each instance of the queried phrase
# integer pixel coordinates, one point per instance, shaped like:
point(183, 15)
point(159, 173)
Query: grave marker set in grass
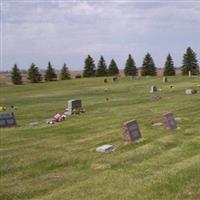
point(169, 121)
point(165, 80)
point(7, 119)
point(131, 131)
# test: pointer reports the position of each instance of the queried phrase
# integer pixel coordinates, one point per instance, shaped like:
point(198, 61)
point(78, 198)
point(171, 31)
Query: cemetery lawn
point(59, 162)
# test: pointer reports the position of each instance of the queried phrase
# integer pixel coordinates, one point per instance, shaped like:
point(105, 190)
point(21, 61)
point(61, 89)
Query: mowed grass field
point(58, 162)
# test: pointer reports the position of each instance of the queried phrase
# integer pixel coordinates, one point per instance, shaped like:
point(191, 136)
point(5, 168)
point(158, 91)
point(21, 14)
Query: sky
point(65, 31)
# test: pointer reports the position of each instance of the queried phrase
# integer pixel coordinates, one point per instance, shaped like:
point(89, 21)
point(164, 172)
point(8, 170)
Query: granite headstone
point(131, 130)
point(74, 104)
point(169, 121)
point(7, 119)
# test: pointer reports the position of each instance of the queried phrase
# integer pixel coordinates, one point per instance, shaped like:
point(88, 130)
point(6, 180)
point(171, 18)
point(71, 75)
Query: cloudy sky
point(67, 31)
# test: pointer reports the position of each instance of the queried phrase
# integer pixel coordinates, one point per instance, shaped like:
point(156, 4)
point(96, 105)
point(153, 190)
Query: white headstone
point(105, 148)
point(190, 91)
point(165, 79)
point(153, 89)
point(189, 73)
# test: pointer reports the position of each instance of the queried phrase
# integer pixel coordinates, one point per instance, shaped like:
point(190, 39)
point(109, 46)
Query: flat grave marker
point(105, 148)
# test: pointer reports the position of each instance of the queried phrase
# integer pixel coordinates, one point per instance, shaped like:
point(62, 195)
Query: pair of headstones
point(132, 132)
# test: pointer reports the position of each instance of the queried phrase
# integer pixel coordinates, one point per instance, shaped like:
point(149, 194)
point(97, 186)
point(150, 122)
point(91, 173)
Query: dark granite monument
point(131, 131)
point(7, 119)
point(168, 121)
point(74, 106)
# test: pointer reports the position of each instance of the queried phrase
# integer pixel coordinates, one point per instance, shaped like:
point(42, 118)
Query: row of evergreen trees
point(190, 63)
point(148, 67)
point(34, 75)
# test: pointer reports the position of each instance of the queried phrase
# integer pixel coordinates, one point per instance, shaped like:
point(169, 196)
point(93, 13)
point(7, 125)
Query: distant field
point(59, 162)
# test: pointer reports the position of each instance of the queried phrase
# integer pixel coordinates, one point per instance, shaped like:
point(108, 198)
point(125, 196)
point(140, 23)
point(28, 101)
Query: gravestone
point(74, 105)
point(7, 119)
point(165, 79)
point(168, 121)
point(190, 91)
point(153, 89)
point(189, 74)
point(32, 124)
point(105, 148)
point(131, 131)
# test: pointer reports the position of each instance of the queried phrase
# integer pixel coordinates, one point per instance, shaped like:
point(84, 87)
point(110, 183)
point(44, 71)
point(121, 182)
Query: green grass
point(164, 165)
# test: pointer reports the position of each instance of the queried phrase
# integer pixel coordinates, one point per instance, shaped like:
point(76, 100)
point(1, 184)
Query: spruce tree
point(130, 68)
point(112, 68)
point(190, 63)
point(101, 67)
point(64, 73)
point(169, 69)
point(16, 76)
point(50, 73)
point(89, 68)
point(148, 66)
point(33, 74)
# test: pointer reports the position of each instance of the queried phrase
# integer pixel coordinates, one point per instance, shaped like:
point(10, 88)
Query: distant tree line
point(148, 68)
point(35, 76)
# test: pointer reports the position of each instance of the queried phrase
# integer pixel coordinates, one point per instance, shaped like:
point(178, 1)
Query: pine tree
point(33, 74)
point(16, 75)
point(112, 68)
point(101, 67)
point(190, 63)
point(89, 68)
point(50, 74)
point(130, 68)
point(169, 69)
point(148, 66)
point(64, 73)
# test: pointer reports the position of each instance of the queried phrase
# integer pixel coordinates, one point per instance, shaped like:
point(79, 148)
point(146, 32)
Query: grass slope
point(164, 165)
